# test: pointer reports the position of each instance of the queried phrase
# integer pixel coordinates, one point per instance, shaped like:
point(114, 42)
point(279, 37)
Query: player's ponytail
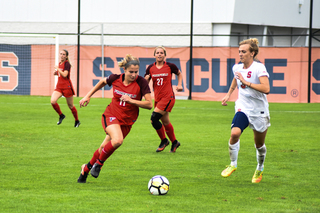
point(67, 54)
point(128, 61)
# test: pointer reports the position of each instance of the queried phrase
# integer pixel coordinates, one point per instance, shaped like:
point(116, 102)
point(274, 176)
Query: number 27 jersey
point(162, 79)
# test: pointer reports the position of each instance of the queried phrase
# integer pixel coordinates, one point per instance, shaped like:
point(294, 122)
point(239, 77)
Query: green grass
point(40, 161)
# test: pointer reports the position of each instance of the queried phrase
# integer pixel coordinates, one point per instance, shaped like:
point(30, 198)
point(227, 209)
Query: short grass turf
point(40, 161)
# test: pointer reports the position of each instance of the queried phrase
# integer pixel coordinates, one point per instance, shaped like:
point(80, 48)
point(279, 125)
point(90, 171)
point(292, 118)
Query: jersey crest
point(112, 119)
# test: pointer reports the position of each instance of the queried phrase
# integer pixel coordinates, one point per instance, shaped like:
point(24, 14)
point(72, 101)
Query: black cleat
point(175, 146)
point(163, 145)
point(62, 116)
point(77, 123)
point(83, 175)
point(95, 170)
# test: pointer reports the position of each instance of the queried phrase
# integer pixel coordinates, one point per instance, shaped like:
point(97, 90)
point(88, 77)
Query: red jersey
point(126, 113)
point(162, 79)
point(64, 83)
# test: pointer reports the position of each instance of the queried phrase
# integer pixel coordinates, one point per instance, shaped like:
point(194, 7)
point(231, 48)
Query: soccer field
point(40, 161)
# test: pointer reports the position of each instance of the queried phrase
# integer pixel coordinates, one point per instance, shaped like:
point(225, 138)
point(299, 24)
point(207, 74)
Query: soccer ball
point(158, 185)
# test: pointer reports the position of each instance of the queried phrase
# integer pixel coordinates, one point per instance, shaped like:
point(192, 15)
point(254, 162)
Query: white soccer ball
point(158, 185)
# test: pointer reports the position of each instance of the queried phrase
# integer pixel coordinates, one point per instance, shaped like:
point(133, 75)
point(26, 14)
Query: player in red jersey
point(161, 74)
point(64, 88)
point(120, 114)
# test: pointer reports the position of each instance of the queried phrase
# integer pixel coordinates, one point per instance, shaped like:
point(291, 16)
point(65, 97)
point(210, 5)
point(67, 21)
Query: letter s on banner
point(9, 76)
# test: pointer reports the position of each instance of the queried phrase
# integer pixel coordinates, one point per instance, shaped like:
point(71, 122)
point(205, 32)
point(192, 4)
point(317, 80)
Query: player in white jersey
point(252, 108)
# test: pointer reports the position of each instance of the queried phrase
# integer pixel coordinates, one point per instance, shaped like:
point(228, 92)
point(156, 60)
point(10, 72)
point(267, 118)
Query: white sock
point(261, 155)
point(233, 152)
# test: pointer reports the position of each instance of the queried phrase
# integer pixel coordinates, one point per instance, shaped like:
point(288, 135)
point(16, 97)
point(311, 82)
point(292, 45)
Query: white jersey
point(250, 101)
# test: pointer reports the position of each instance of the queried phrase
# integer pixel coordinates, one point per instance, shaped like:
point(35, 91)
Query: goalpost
point(7, 38)
point(54, 36)
point(27, 62)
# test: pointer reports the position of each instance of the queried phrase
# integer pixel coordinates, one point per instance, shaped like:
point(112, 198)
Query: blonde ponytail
point(128, 60)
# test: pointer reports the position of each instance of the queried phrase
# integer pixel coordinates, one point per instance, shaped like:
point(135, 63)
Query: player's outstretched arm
point(231, 89)
point(86, 99)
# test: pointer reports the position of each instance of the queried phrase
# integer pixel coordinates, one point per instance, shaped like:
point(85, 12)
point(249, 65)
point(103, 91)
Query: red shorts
point(67, 92)
point(165, 104)
point(107, 121)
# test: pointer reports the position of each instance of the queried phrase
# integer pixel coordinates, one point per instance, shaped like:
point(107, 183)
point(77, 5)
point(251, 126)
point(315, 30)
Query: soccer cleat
point(163, 145)
point(62, 116)
point(257, 176)
point(228, 171)
point(83, 175)
point(77, 123)
point(95, 170)
point(175, 146)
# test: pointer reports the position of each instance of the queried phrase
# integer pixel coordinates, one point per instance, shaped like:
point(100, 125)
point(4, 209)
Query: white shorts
point(260, 124)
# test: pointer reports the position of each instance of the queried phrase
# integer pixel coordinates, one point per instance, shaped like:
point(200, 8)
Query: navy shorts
point(240, 120)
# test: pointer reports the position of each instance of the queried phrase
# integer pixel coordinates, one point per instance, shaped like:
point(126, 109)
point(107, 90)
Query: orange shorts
point(68, 92)
point(107, 121)
point(165, 104)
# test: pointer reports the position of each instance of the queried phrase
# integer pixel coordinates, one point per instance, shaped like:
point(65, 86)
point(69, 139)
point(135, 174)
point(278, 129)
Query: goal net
point(27, 63)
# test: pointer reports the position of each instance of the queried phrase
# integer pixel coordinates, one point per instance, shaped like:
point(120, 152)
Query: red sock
point(106, 152)
point(94, 158)
point(75, 113)
point(56, 108)
point(161, 133)
point(170, 132)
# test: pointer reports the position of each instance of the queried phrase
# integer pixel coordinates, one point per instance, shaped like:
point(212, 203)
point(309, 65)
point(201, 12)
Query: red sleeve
point(173, 67)
point(144, 86)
